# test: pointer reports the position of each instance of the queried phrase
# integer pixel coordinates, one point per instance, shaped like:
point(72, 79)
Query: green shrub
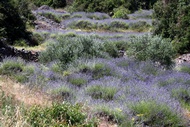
point(11, 67)
point(185, 68)
point(167, 82)
point(108, 6)
point(172, 21)
point(56, 115)
point(65, 16)
point(111, 49)
point(54, 17)
point(52, 3)
point(101, 92)
point(100, 70)
point(115, 115)
point(63, 93)
point(139, 26)
point(121, 12)
point(183, 95)
point(68, 49)
point(82, 24)
point(153, 114)
point(115, 25)
point(78, 81)
point(152, 48)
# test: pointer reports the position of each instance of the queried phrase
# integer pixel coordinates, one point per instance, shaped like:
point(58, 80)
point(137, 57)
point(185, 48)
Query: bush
point(121, 12)
point(152, 114)
point(101, 92)
point(56, 115)
point(113, 115)
point(108, 6)
point(68, 49)
point(11, 66)
point(82, 24)
point(152, 48)
point(183, 95)
point(52, 3)
point(185, 68)
point(139, 26)
point(50, 15)
point(118, 25)
point(172, 21)
point(78, 81)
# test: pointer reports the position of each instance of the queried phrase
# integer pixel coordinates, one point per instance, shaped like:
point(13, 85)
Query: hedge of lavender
point(120, 88)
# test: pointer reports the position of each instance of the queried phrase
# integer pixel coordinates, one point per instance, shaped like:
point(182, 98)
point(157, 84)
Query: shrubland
point(128, 80)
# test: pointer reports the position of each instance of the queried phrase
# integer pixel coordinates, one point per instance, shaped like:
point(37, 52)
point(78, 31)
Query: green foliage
point(101, 92)
point(24, 10)
point(152, 48)
point(100, 70)
point(52, 3)
point(68, 49)
point(78, 81)
point(172, 21)
point(116, 115)
point(121, 12)
point(153, 114)
point(14, 15)
point(111, 49)
point(139, 26)
point(82, 24)
point(185, 69)
point(54, 17)
point(11, 67)
point(56, 115)
point(108, 6)
point(62, 93)
point(183, 95)
point(118, 25)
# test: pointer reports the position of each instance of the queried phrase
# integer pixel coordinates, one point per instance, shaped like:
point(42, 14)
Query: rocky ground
point(185, 58)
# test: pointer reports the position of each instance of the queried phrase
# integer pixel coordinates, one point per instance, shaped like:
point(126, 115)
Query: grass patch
point(183, 95)
point(113, 115)
point(11, 66)
point(152, 114)
point(101, 92)
point(78, 81)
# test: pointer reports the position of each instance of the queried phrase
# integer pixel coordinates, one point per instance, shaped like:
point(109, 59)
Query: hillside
point(95, 69)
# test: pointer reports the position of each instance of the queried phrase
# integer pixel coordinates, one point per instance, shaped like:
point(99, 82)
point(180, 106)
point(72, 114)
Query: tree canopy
point(12, 23)
point(173, 21)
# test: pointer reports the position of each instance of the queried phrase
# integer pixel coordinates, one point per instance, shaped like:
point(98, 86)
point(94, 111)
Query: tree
point(173, 21)
point(12, 26)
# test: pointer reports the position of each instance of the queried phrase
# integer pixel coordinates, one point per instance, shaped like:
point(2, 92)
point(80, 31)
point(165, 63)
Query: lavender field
point(89, 60)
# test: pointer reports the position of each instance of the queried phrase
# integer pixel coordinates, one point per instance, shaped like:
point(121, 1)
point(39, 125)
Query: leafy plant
point(11, 66)
point(185, 68)
point(172, 22)
point(67, 49)
point(152, 48)
point(154, 114)
point(121, 12)
point(183, 95)
point(101, 92)
point(77, 81)
point(56, 115)
point(114, 115)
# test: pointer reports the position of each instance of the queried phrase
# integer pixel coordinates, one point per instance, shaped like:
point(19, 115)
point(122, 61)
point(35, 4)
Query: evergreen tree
point(173, 21)
point(12, 26)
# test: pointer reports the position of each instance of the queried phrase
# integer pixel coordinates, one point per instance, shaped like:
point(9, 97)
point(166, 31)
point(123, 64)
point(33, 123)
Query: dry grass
point(23, 94)
point(38, 48)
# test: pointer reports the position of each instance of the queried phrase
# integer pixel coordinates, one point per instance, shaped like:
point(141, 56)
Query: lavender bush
point(128, 83)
